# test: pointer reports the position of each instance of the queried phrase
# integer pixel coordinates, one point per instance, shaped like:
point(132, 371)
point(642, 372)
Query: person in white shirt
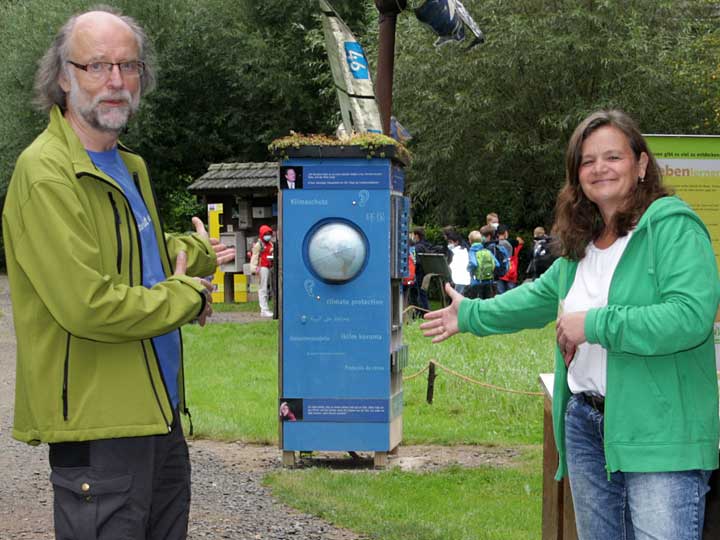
point(459, 263)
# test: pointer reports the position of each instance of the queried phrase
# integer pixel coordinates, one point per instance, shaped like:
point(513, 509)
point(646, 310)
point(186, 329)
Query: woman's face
point(608, 169)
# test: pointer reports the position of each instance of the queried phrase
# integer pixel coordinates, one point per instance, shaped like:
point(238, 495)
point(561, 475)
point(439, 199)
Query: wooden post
point(288, 458)
point(552, 501)
point(558, 513)
point(431, 383)
point(228, 288)
point(389, 10)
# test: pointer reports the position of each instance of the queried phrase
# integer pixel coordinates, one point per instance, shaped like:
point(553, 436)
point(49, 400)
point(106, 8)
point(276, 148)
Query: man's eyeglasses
point(102, 70)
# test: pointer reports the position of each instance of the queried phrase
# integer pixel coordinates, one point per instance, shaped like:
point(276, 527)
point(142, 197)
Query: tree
point(491, 124)
point(233, 76)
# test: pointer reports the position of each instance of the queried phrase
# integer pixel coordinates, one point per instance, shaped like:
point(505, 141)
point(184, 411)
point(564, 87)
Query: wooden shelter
point(248, 194)
point(247, 191)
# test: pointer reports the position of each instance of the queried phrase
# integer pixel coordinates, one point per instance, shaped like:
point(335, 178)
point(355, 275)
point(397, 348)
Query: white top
point(587, 372)
point(458, 266)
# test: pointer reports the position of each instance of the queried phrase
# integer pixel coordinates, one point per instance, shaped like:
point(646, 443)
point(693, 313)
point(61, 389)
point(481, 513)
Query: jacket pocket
point(87, 500)
point(118, 235)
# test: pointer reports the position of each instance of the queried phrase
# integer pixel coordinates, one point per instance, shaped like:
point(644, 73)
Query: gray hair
point(47, 87)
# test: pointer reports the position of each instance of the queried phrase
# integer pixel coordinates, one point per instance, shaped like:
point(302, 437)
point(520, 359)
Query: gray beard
point(91, 114)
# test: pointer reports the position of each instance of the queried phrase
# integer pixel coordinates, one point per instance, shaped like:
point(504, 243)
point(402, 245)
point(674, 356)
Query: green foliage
point(372, 144)
point(232, 77)
point(434, 234)
point(491, 125)
point(453, 504)
point(180, 208)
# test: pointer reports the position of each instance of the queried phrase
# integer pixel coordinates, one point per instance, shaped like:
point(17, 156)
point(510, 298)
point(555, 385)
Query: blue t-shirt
point(167, 346)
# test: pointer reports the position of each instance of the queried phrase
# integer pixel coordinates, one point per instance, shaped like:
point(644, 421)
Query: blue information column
point(343, 252)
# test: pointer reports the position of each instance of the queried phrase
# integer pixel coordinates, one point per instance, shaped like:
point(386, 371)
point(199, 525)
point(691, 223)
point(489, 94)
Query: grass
point(231, 373)
point(451, 504)
point(470, 414)
point(231, 380)
point(252, 307)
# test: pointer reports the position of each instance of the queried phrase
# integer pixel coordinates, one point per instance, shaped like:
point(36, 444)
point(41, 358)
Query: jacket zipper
point(66, 369)
point(118, 236)
point(130, 247)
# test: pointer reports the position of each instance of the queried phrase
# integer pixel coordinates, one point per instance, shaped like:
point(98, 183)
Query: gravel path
point(229, 500)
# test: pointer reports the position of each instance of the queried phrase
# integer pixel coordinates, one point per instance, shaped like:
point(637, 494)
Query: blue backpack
point(502, 257)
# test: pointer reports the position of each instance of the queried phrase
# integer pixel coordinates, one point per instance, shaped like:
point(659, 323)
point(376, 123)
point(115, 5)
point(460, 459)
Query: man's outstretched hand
point(224, 254)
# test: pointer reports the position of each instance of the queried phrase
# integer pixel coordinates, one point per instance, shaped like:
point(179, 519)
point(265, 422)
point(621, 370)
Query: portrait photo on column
point(291, 177)
point(291, 409)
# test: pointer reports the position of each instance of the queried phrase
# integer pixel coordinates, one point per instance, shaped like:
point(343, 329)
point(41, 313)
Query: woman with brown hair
point(634, 296)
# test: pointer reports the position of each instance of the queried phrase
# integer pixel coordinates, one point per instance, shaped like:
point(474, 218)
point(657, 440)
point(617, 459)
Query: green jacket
point(86, 368)
point(661, 406)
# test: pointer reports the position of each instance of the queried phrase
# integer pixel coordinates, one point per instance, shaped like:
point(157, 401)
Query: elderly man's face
point(107, 103)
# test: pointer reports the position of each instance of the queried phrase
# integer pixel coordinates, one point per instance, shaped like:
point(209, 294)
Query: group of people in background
point(484, 264)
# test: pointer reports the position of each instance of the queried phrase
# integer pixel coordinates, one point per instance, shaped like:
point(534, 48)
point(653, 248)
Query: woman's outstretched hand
point(443, 323)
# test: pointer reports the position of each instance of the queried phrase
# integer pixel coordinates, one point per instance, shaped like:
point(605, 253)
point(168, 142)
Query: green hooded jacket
point(86, 368)
point(661, 406)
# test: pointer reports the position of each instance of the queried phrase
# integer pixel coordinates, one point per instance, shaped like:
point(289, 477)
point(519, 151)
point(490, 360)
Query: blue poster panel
point(337, 303)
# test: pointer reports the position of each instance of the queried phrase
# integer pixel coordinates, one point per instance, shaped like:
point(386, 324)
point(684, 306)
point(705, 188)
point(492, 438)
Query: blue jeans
point(628, 506)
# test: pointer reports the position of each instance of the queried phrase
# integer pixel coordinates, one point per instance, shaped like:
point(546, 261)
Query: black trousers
point(485, 289)
point(134, 488)
point(711, 531)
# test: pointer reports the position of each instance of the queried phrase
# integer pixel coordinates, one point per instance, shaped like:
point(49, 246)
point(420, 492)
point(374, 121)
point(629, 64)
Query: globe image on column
point(336, 252)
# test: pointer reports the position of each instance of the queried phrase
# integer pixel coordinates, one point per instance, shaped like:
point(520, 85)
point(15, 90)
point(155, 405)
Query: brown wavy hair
point(577, 218)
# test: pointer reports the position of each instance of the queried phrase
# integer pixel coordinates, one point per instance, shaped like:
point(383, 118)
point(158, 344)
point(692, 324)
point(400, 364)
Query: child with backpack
point(482, 265)
point(502, 257)
point(509, 280)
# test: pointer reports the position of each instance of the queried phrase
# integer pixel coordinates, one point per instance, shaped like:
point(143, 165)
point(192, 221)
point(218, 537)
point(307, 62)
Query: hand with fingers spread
point(181, 270)
point(570, 330)
point(443, 323)
point(224, 253)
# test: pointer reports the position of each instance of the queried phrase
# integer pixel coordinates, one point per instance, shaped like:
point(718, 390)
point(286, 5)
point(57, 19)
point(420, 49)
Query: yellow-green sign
point(691, 166)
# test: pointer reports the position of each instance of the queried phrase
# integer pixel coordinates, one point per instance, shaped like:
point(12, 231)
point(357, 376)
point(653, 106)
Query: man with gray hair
point(99, 294)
